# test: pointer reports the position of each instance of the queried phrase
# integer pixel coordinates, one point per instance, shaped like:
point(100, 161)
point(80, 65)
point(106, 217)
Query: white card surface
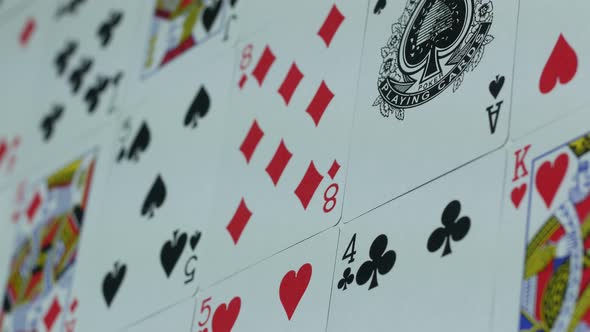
point(454, 99)
point(288, 292)
point(428, 252)
point(285, 145)
point(544, 230)
point(159, 203)
point(8, 7)
point(176, 318)
point(550, 74)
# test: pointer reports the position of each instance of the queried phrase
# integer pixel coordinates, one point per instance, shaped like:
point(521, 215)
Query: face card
point(82, 76)
point(47, 220)
point(177, 26)
point(159, 203)
point(550, 75)
point(427, 252)
point(428, 67)
point(286, 142)
point(174, 37)
point(178, 317)
point(545, 231)
point(288, 292)
point(176, 34)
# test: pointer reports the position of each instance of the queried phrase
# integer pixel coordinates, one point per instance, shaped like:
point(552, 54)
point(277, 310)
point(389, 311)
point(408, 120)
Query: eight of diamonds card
point(424, 261)
point(546, 231)
point(284, 156)
point(288, 292)
point(48, 220)
point(434, 93)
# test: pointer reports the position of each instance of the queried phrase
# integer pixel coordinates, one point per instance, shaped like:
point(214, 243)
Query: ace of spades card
point(287, 292)
point(11, 6)
point(284, 156)
point(434, 93)
point(83, 76)
point(159, 202)
point(48, 220)
point(430, 252)
point(550, 71)
point(545, 230)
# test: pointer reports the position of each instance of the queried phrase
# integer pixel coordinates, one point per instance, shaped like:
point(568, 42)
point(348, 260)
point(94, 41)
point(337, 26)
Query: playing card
point(47, 220)
point(177, 34)
point(544, 283)
point(288, 292)
point(176, 27)
point(550, 74)
point(285, 148)
point(423, 261)
point(82, 77)
point(23, 37)
point(160, 199)
point(434, 93)
point(178, 317)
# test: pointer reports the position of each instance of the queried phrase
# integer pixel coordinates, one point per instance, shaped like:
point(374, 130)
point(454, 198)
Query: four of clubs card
point(433, 94)
point(430, 252)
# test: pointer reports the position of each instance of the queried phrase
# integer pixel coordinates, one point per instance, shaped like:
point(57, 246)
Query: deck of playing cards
point(275, 165)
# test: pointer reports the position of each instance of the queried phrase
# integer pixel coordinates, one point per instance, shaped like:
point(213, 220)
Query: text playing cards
point(434, 93)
